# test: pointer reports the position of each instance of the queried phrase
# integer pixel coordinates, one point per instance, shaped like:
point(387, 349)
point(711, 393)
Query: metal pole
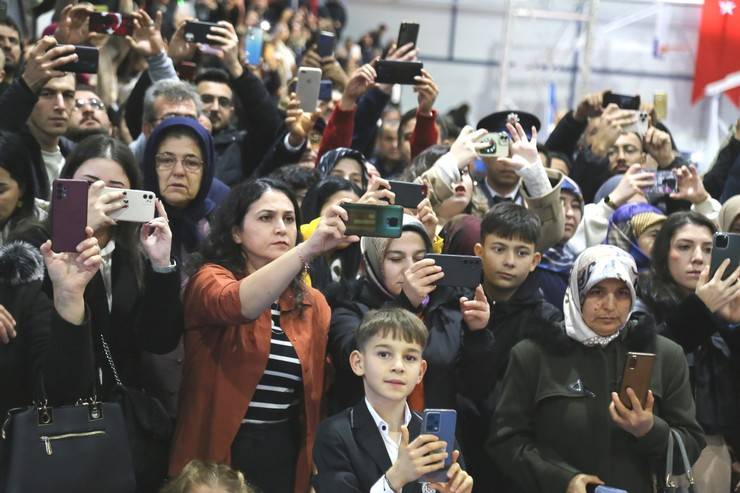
point(504, 79)
point(585, 74)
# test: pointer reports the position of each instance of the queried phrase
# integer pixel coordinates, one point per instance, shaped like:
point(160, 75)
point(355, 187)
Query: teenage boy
point(507, 248)
point(375, 446)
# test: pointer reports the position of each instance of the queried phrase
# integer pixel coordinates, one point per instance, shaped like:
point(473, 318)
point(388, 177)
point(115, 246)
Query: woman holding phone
point(560, 424)
point(255, 340)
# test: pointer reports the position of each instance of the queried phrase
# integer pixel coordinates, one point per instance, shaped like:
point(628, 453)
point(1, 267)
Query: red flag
point(718, 54)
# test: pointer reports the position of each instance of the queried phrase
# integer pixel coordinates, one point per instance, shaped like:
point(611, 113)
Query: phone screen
point(253, 45)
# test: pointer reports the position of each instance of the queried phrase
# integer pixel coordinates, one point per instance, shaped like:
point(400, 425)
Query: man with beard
point(89, 115)
point(10, 43)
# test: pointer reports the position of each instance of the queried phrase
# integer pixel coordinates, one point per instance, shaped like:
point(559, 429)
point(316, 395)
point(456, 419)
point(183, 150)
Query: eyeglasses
point(94, 103)
point(222, 100)
point(166, 161)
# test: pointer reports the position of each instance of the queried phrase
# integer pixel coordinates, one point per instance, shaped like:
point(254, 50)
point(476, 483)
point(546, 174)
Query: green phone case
point(383, 221)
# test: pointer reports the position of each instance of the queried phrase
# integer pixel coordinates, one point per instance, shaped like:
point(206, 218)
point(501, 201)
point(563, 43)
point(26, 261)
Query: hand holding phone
point(325, 44)
point(68, 214)
point(112, 23)
point(253, 45)
point(307, 89)
point(138, 205)
point(407, 33)
point(440, 423)
point(426, 452)
point(623, 101)
point(86, 63)
point(197, 32)
point(638, 370)
point(380, 221)
point(397, 72)
point(408, 194)
point(460, 270)
point(726, 247)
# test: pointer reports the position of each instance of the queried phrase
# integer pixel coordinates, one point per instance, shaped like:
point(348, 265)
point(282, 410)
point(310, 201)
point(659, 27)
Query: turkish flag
point(719, 47)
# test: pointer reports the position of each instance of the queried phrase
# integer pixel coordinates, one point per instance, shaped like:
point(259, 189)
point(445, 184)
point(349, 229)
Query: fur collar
point(639, 334)
point(20, 263)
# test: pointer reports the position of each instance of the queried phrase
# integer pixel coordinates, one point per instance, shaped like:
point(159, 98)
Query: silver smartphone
point(307, 89)
point(140, 205)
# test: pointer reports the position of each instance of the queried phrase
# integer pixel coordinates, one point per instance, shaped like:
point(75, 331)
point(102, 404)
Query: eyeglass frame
point(182, 160)
point(95, 103)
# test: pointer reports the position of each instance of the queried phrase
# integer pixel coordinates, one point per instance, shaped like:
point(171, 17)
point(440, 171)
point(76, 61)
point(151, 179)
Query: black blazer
point(349, 453)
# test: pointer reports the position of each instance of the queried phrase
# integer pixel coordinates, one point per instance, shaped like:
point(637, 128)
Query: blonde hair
point(197, 473)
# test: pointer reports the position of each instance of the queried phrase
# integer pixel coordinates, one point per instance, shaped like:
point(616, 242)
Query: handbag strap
point(109, 359)
point(684, 457)
point(669, 482)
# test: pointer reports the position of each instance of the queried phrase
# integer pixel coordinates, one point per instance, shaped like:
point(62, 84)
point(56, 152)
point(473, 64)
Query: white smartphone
point(641, 125)
point(141, 205)
point(307, 89)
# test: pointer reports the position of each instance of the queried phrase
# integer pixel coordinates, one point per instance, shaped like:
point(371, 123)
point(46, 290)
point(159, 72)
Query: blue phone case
point(607, 489)
point(253, 45)
point(440, 423)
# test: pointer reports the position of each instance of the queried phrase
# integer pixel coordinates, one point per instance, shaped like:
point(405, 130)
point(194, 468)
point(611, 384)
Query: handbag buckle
point(95, 411)
point(45, 414)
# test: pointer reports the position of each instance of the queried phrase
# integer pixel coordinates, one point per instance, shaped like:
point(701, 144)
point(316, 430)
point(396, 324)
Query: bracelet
point(608, 202)
point(388, 483)
point(303, 259)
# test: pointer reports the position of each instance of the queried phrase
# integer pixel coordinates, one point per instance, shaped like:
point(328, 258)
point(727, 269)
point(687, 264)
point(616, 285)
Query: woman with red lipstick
point(699, 312)
point(255, 340)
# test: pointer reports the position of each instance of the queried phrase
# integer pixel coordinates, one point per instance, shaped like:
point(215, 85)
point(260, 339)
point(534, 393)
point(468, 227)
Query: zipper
point(47, 439)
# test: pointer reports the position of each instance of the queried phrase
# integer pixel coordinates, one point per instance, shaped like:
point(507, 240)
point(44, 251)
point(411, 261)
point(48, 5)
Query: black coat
point(443, 319)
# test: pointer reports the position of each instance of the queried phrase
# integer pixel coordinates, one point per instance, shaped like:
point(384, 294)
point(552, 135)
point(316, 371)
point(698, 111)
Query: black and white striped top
point(279, 388)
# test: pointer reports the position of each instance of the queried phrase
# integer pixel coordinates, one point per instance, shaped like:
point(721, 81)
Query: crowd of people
point(263, 348)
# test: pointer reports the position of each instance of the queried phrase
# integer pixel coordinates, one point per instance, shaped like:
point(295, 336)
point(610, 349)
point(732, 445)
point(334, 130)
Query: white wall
point(461, 44)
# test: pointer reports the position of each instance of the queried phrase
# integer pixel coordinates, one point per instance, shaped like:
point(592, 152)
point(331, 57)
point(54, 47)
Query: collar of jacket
point(526, 295)
point(638, 334)
point(20, 263)
point(228, 135)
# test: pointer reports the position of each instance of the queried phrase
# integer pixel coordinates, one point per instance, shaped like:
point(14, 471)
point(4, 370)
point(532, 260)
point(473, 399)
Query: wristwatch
point(608, 201)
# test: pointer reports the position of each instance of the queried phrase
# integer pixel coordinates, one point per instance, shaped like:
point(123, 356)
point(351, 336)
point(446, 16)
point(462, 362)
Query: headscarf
point(330, 159)
point(183, 222)
point(460, 234)
point(729, 212)
point(373, 251)
point(627, 223)
point(594, 265)
point(560, 258)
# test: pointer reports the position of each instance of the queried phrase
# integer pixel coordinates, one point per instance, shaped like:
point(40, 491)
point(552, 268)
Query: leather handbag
point(671, 483)
point(81, 448)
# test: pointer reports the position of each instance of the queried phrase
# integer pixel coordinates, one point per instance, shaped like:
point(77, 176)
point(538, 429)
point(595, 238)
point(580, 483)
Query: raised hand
point(637, 421)
point(179, 49)
point(658, 144)
point(476, 312)
point(43, 60)
point(690, 185)
point(100, 204)
point(523, 150)
point(420, 279)
point(225, 39)
point(405, 53)
point(299, 122)
point(358, 84)
point(73, 27)
point(466, 146)
point(156, 238)
point(415, 459)
point(589, 106)
point(147, 37)
point(458, 481)
point(378, 192)
point(610, 127)
point(634, 181)
point(715, 293)
point(329, 233)
point(427, 92)
point(425, 214)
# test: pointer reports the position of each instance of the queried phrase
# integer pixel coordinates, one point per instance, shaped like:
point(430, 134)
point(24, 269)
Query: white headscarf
point(590, 268)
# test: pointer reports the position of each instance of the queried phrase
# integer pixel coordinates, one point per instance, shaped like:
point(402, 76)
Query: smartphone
point(460, 270)
point(660, 105)
point(641, 125)
point(253, 45)
point(407, 33)
point(397, 72)
point(623, 101)
point(307, 89)
point(665, 183)
point(381, 221)
point(440, 423)
point(408, 194)
point(197, 32)
point(638, 369)
point(140, 205)
point(87, 61)
point(68, 214)
point(325, 45)
point(325, 89)
point(600, 488)
point(498, 144)
point(726, 246)
point(186, 70)
point(112, 23)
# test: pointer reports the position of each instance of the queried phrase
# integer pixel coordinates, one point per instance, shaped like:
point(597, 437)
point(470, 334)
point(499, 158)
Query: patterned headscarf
point(591, 267)
point(627, 223)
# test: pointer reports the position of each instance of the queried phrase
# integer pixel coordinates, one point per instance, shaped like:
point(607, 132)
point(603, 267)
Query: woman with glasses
point(179, 168)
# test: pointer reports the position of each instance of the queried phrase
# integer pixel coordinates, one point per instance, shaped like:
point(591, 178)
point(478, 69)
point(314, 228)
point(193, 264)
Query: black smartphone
point(397, 72)
point(197, 32)
point(460, 270)
point(407, 33)
point(87, 61)
point(68, 214)
point(726, 246)
point(382, 221)
point(325, 44)
point(325, 89)
point(623, 101)
point(112, 23)
point(408, 194)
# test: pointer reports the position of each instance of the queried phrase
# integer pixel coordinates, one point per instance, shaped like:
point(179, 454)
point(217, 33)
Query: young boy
point(509, 235)
point(375, 446)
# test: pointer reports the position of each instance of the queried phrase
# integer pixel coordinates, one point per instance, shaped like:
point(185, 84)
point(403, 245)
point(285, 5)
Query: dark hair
point(317, 195)
point(442, 123)
point(511, 221)
point(103, 146)
point(296, 176)
point(400, 324)
point(16, 160)
point(219, 247)
point(562, 156)
point(424, 161)
point(213, 75)
point(405, 117)
point(663, 288)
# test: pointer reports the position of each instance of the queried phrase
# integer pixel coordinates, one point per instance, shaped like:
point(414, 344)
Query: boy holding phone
point(375, 446)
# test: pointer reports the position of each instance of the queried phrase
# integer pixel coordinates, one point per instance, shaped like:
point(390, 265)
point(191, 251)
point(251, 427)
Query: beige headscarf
point(729, 212)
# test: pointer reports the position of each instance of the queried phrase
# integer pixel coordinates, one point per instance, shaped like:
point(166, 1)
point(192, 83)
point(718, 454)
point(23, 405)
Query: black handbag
point(81, 448)
point(149, 430)
point(671, 484)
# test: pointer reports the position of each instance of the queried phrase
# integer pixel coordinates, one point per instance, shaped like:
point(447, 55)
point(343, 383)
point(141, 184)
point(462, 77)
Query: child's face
point(391, 368)
point(506, 262)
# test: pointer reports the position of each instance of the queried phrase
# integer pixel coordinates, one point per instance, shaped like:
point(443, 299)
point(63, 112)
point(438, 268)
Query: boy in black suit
point(375, 446)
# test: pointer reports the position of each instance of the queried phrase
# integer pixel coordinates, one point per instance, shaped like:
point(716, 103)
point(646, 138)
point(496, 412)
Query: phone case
point(407, 33)
point(460, 270)
point(381, 221)
point(325, 45)
point(665, 183)
point(638, 369)
point(197, 32)
point(397, 72)
point(641, 125)
point(68, 214)
point(440, 423)
point(111, 23)
point(140, 203)
point(253, 45)
point(499, 144)
point(408, 194)
point(325, 89)
point(600, 488)
point(623, 101)
point(307, 89)
point(87, 61)
point(726, 246)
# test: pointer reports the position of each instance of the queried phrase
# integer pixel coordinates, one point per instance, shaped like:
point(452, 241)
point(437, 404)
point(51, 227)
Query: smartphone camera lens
point(721, 241)
point(433, 422)
point(632, 363)
point(393, 222)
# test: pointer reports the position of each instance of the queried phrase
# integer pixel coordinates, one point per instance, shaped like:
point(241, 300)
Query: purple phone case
point(68, 214)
